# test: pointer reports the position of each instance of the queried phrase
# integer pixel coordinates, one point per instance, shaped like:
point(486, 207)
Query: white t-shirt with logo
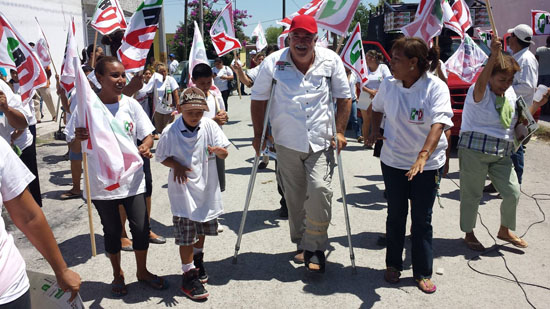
point(200, 198)
point(410, 113)
point(14, 178)
point(221, 83)
point(138, 126)
point(164, 95)
point(375, 78)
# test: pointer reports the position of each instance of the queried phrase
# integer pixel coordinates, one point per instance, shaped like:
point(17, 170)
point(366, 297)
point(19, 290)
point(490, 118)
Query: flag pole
point(494, 27)
point(93, 54)
point(89, 200)
point(340, 42)
point(238, 80)
point(48, 45)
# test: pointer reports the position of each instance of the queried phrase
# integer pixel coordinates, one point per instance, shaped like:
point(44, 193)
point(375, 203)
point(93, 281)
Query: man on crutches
point(302, 125)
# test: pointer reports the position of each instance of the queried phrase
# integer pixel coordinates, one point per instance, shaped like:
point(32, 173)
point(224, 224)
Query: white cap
point(523, 33)
point(253, 52)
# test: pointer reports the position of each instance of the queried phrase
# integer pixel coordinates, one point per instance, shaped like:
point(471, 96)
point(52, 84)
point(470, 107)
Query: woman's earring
point(412, 68)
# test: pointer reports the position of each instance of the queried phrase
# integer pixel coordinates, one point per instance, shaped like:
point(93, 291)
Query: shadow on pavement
point(370, 198)
point(78, 250)
point(61, 178)
point(54, 159)
point(256, 220)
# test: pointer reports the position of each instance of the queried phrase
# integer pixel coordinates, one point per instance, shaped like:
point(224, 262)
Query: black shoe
point(191, 286)
point(198, 261)
point(317, 257)
point(490, 188)
point(262, 165)
point(159, 240)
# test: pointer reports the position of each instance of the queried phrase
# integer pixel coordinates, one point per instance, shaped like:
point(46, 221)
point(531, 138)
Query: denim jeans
point(354, 120)
point(517, 158)
point(421, 190)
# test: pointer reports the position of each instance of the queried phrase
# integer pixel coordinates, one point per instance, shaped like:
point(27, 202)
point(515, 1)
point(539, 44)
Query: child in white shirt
point(189, 147)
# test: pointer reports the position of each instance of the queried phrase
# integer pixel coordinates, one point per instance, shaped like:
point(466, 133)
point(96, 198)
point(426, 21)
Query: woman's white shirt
point(483, 117)
point(410, 113)
point(375, 78)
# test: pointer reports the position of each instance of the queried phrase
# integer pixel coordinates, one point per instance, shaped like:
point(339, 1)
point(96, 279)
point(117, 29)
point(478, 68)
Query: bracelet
point(424, 150)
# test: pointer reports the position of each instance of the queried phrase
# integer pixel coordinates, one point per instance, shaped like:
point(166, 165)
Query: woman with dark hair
point(417, 108)
point(110, 74)
point(87, 55)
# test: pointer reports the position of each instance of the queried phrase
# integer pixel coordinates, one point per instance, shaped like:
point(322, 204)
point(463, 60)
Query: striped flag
point(428, 20)
point(308, 9)
point(353, 55)
point(108, 17)
point(68, 70)
point(456, 16)
point(467, 61)
point(223, 32)
point(139, 36)
point(336, 16)
point(16, 54)
point(111, 151)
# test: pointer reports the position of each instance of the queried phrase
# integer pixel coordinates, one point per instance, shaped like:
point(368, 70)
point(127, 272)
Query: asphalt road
point(265, 276)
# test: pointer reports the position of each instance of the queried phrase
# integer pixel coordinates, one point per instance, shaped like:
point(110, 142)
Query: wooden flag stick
point(93, 53)
point(340, 42)
point(494, 27)
point(89, 201)
point(238, 80)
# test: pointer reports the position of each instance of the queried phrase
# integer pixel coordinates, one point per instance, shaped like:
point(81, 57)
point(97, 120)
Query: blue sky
point(265, 11)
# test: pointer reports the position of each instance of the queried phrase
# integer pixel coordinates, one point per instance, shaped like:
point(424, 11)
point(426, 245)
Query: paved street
point(265, 276)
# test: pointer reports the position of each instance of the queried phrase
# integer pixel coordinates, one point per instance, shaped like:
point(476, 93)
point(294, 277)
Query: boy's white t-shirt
point(213, 108)
point(200, 198)
point(14, 178)
point(164, 95)
point(138, 126)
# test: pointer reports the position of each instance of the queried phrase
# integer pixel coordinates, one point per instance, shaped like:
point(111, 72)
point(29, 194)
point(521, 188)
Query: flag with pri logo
point(486, 36)
point(456, 17)
point(261, 41)
point(428, 20)
point(540, 22)
point(68, 71)
point(467, 61)
point(138, 38)
point(308, 9)
point(353, 55)
point(223, 32)
point(16, 54)
point(41, 47)
point(336, 15)
point(111, 152)
point(108, 17)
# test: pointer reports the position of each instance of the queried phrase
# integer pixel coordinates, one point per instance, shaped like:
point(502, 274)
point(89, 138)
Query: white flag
point(261, 41)
point(467, 61)
point(353, 55)
point(223, 32)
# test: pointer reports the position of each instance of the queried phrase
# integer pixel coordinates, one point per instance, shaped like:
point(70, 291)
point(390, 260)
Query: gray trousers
point(306, 179)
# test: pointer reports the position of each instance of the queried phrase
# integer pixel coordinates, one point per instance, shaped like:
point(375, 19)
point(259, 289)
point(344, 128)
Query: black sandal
point(316, 258)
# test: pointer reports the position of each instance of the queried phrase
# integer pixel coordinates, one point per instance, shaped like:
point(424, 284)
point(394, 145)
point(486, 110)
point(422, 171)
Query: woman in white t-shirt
point(110, 74)
point(417, 108)
point(142, 96)
point(27, 216)
point(222, 76)
point(377, 71)
point(486, 144)
point(165, 99)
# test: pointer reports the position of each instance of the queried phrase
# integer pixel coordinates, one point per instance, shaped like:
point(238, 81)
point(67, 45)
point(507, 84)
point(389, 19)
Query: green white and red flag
point(139, 37)
point(108, 17)
point(353, 55)
point(198, 55)
point(467, 61)
point(261, 41)
point(41, 47)
point(456, 16)
point(428, 20)
point(68, 70)
point(336, 15)
point(16, 54)
point(111, 152)
point(223, 32)
point(540, 22)
point(309, 9)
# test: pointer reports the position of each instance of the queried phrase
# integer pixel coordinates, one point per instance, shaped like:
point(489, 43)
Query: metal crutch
point(253, 174)
point(341, 176)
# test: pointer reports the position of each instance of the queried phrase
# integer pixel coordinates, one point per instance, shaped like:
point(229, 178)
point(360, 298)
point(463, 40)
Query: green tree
point(272, 33)
point(362, 16)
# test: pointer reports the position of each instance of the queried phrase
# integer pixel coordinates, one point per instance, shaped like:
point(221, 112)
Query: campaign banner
point(540, 22)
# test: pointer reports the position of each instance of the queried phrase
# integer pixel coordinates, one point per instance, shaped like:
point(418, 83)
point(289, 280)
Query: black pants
point(220, 165)
point(23, 302)
point(147, 172)
point(28, 156)
point(225, 96)
point(136, 210)
point(421, 190)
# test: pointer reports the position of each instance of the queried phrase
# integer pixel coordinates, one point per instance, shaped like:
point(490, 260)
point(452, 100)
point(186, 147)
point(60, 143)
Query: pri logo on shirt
point(129, 127)
point(281, 65)
point(417, 115)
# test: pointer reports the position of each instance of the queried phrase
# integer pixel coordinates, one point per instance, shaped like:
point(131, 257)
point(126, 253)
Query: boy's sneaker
point(192, 287)
point(198, 261)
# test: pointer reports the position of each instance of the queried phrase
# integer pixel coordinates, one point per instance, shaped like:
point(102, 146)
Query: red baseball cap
point(304, 22)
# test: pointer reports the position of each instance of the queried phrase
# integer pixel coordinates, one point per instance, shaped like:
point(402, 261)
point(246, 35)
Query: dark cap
point(304, 22)
point(193, 99)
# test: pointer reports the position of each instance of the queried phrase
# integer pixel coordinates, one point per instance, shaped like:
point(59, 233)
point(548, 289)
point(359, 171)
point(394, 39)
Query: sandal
point(157, 283)
point(315, 261)
point(392, 275)
point(119, 289)
point(299, 257)
point(516, 241)
point(70, 195)
point(423, 285)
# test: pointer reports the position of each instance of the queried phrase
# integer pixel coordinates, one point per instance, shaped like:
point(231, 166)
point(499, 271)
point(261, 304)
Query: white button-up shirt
point(300, 114)
point(525, 81)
